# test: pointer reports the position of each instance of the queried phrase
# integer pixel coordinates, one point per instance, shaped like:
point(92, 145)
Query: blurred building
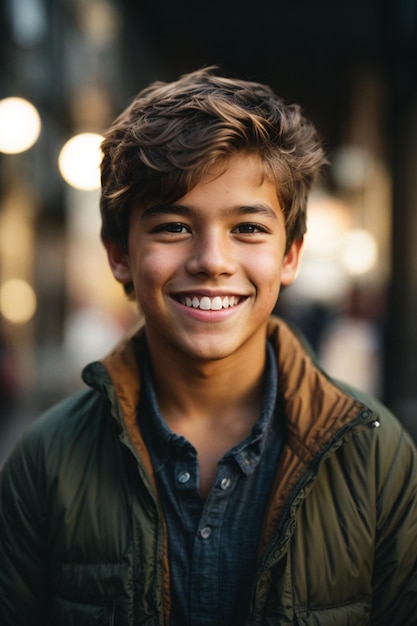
point(352, 66)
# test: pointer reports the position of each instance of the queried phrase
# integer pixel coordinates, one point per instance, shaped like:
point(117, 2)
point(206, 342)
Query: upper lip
point(200, 293)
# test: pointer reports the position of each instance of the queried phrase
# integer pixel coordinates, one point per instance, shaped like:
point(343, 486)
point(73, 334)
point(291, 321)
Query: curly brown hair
point(172, 134)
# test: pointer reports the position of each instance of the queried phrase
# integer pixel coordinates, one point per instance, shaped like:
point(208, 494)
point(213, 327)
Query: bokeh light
point(20, 125)
point(359, 252)
point(79, 161)
point(17, 301)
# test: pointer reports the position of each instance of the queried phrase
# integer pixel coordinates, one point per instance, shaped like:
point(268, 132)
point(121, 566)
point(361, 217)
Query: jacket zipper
point(365, 418)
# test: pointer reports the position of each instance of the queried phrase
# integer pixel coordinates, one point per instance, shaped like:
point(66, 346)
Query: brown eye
point(176, 228)
point(249, 228)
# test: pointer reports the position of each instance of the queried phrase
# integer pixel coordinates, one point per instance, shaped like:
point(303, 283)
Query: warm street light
point(20, 125)
point(79, 161)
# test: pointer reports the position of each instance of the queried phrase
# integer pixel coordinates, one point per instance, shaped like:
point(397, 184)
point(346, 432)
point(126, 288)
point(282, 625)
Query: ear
point(292, 262)
point(118, 261)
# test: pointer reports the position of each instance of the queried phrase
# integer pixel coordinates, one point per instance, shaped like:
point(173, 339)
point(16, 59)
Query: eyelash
point(251, 228)
point(174, 228)
point(178, 228)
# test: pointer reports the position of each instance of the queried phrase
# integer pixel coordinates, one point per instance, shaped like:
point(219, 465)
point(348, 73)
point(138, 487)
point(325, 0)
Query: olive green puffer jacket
point(82, 536)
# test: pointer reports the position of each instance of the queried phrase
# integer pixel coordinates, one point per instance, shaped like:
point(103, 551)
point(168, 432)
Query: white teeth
point(216, 303)
point(210, 304)
point(205, 303)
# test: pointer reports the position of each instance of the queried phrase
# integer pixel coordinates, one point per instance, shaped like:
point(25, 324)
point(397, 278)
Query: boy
point(213, 475)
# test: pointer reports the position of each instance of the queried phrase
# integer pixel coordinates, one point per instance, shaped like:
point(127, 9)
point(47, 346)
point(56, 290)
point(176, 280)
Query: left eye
point(249, 228)
point(173, 227)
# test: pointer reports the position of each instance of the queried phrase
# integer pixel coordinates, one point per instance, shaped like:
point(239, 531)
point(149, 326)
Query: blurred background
point(67, 67)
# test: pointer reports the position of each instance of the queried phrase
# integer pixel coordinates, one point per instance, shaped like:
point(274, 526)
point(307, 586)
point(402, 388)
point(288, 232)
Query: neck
point(208, 390)
point(213, 404)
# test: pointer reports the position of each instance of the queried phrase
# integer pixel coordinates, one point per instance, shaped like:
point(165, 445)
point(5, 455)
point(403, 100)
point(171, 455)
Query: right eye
point(176, 228)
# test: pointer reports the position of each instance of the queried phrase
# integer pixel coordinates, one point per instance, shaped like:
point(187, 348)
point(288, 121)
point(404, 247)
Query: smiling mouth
point(205, 303)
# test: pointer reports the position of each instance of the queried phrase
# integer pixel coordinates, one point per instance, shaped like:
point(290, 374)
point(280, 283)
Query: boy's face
point(207, 270)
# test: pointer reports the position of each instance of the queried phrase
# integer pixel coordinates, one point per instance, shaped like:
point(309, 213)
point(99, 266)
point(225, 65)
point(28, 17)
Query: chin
point(210, 352)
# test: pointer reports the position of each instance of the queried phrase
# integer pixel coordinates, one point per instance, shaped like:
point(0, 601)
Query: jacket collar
point(315, 407)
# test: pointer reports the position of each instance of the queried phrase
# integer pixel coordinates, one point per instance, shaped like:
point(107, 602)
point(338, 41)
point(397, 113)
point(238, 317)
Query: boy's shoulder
point(300, 369)
point(53, 433)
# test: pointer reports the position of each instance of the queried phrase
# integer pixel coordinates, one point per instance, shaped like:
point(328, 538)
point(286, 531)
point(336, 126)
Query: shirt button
point(205, 532)
point(184, 478)
point(225, 483)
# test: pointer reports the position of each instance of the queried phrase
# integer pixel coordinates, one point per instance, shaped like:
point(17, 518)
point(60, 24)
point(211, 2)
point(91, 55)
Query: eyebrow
point(179, 209)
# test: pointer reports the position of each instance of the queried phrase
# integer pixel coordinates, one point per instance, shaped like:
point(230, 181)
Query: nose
point(212, 255)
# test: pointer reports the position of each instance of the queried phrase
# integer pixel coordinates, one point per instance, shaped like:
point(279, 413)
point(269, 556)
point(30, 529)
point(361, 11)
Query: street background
point(353, 68)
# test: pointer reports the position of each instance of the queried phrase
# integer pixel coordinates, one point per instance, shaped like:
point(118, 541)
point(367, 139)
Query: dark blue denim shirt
point(213, 544)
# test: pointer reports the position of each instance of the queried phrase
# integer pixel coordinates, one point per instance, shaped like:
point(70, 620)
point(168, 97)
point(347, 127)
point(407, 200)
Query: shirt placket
point(206, 556)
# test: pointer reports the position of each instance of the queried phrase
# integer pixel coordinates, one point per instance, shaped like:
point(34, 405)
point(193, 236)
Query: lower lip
point(208, 316)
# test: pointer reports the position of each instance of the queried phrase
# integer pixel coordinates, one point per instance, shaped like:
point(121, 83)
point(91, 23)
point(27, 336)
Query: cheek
point(266, 276)
point(150, 274)
point(264, 269)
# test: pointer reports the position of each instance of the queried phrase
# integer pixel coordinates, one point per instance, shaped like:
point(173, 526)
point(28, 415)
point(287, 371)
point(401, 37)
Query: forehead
point(241, 177)
point(239, 188)
point(240, 174)
point(253, 163)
